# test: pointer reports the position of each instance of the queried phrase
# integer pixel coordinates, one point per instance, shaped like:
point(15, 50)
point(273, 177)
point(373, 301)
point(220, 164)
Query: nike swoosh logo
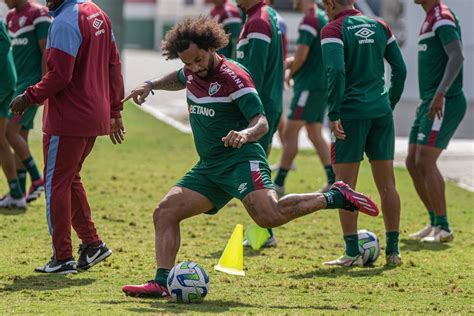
point(90, 259)
point(48, 269)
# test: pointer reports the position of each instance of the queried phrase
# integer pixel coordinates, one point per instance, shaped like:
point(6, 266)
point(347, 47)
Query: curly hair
point(203, 31)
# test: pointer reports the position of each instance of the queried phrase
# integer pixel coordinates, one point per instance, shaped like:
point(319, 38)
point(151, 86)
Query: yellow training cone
point(256, 236)
point(232, 259)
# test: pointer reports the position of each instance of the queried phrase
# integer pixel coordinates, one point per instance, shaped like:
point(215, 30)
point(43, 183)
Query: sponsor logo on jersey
point(214, 88)
point(365, 33)
point(201, 110)
point(240, 54)
point(422, 47)
point(22, 21)
point(22, 41)
point(233, 75)
point(242, 187)
point(421, 136)
point(97, 24)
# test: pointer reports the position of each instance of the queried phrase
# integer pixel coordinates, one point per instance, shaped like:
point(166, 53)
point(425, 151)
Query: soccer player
point(360, 111)
point(227, 14)
point(443, 105)
point(260, 50)
point(84, 88)
point(310, 93)
point(7, 91)
point(28, 23)
point(227, 119)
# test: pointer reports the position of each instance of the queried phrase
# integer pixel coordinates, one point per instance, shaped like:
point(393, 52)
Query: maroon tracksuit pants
point(66, 200)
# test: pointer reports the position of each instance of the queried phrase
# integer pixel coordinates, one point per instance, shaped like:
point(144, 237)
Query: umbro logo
point(242, 187)
point(97, 23)
point(365, 33)
point(421, 137)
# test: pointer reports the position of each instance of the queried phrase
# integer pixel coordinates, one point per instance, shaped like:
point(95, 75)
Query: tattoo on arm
point(169, 82)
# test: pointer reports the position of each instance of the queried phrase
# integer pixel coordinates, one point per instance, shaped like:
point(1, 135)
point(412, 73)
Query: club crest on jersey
point(214, 88)
point(22, 21)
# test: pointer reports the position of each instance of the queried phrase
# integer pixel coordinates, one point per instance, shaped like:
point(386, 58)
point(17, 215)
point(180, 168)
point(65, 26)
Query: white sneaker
point(422, 233)
point(280, 190)
point(439, 235)
point(346, 261)
point(9, 202)
point(271, 242)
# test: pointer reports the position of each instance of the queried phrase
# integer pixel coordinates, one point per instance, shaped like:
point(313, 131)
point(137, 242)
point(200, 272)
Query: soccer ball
point(369, 246)
point(188, 282)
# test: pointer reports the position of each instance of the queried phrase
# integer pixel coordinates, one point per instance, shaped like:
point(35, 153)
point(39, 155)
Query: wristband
point(151, 86)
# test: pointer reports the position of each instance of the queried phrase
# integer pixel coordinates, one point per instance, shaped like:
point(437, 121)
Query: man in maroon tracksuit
point(83, 87)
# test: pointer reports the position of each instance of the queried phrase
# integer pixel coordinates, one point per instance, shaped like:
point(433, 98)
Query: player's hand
point(337, 130)
point(288, 82)
point(139, 94)
point(289, 62)
point(436, 108)
point(117, 131)
point(235, 139)
point(19, 104)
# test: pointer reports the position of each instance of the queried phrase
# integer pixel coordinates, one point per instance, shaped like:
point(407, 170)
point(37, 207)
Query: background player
point(226, 13)
point(28, 23)
point(14, 197)
point(443, 106)
point(360, 112)
point(260, 50)
point(309, 101)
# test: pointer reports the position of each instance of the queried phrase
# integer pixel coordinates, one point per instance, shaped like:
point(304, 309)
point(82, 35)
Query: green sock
point(162, 276)
point(281, 176)
point(21, 175)
point(432, 218)
point(30, 165)
point(352, 245)
point(330, 174)
point(334, 199)
point(392, 243)
point(442, 221)
point(15, 190)
point(271, 232)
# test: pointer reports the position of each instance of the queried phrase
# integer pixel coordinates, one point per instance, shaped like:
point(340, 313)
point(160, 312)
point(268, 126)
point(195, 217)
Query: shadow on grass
point(12, 212)
point(44, 282)
point(416, 245)
point(208, 306)
point(354, 272)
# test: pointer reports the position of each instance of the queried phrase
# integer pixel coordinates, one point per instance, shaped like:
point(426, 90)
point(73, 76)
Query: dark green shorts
point(5, 100)
point(308, 106)
point(227, 181)
point(27, 119)
point(375, 137)
point(438, 132)
point(273, 119)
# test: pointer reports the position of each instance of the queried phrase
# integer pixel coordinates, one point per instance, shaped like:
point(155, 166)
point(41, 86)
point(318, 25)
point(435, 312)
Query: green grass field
point(126, 182)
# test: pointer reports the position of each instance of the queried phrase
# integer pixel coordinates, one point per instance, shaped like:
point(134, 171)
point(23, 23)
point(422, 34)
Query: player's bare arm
point(169, 82)
point(257, 128)
point(298, 61)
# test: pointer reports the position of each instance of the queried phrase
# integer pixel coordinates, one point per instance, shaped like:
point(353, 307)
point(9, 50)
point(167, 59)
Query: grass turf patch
point(125, 183)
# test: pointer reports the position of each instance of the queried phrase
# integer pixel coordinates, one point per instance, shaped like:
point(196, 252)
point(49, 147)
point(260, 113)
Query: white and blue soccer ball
point(369, 246)
point(188, 282)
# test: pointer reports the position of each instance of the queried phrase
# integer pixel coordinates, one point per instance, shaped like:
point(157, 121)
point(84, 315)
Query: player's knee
point(163, 214)
point(421, 165)
point(266, 222)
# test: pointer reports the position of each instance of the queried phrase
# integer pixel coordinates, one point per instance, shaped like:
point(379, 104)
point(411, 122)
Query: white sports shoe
point(280, 190)
point(346, 261)
point(271, 242)
point(10, 202)
point(439, 235)
point(422, 233)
